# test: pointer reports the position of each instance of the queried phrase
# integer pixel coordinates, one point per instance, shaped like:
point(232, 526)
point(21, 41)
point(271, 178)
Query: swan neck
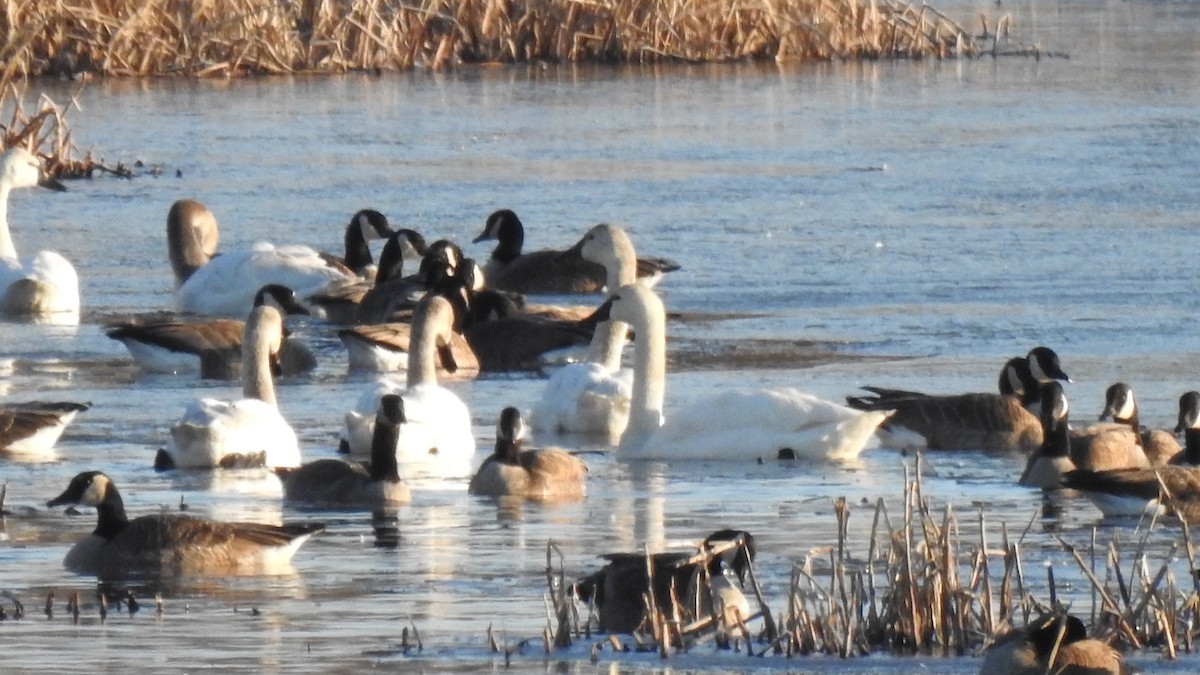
point(7, 249)
point(256, 357)
point(649, 382)
point(433, 313)
point(607, 344)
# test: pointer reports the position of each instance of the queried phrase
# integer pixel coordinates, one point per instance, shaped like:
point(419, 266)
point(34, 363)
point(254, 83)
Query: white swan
point(46, 285)
point(250, 430)
point(747, 425)
point(592, 397)
point(225, 284)
point(437, 439)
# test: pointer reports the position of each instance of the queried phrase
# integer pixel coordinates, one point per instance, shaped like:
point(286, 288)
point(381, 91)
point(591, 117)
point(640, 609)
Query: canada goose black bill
point(172, 544)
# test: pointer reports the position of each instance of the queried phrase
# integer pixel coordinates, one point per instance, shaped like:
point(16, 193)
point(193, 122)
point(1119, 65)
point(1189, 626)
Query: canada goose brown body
point(384, 347)
point(513, 470)
point(343, 303)
point(335, 482)
point(213, 346)
point(547, 270)
point(172, 544)
point(30, 429)
point(504, 338)
point(618, 591)
point(977, 421)
point(1048, 464)
point(1028, 652)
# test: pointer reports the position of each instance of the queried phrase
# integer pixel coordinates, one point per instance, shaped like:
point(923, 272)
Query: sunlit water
point(920, 221)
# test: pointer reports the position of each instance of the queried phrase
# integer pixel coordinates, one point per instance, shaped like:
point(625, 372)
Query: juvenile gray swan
point(172, 544)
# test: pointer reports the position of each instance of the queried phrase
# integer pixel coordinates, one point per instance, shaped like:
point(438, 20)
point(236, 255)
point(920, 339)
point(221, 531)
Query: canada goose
point(1173, 488)
point(225, 284)
point(1060, 453)
point(506, 339)
point(1121, 405)
point(990, 422)
point(395, 294)
point(546, 473)
point(761, 424)
point(172, 544)
point(46, 285)
point(1028, 652)
point(247, 431)
point(342, 303)
point(341, 483)
point(29, 430)
point(384, 348)
point(437, 438)
point(592, 396)
point(618, 591)
point(213, 347)
point(547, 270)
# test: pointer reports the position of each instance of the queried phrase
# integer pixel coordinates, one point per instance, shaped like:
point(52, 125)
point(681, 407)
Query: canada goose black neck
point(1055, 418)
point(509, 232)
point(358, 254)
point(383, 442)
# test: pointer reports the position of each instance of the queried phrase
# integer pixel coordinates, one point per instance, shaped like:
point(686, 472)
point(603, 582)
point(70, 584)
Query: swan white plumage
point(437, 440)
point(44, 286)
point(738, 424)
point(225, 284)
point(592, 397)
point(215, 433)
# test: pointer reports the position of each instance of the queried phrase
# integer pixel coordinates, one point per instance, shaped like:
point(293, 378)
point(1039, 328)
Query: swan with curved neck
point(437, 438)
point(247, 431)
point(225, 284)
point(44, 286)
point(762, 424)
point(592, 397)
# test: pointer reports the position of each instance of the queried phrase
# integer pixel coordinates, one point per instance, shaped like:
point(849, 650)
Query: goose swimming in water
point(172, 544)
point(755, 425)
point(225, 284)
point(514, 471)
point(547, 270)
point(335, 482)
point(214, 347)
point(247, 431)
point(29, 430)
point(45, 286)
point(343, 303)
point(1063, 638)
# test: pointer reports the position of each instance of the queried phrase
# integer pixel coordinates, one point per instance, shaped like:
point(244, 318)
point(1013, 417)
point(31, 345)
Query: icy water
point(908, 224)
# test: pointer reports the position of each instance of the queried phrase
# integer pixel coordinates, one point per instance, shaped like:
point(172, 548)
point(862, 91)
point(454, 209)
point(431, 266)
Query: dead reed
point(224, 37)
point(919, 588)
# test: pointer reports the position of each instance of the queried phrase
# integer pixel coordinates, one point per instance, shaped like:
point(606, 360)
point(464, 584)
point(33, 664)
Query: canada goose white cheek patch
point(95, 491)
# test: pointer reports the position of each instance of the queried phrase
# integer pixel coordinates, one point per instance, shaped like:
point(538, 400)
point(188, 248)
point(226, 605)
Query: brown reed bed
point(228, 37)
point(917, 587)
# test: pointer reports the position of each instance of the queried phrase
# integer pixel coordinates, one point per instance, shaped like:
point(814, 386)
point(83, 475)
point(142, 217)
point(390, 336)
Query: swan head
point(89, 488)
point(604, 244)
point(281, 298)
point(192, 237)
point(502, 225)
point(20, 168)
point(634, 304)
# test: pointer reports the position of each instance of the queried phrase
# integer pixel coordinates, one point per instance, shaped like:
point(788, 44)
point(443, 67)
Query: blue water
point(922, 220)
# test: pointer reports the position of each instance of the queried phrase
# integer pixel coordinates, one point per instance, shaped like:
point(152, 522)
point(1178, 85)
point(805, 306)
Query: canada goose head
point(1120, 405)
point(510, 434)
point(506, 228)
point(403, 244)
point(20, 168)
point(1044, 365)
point(1045, 635)
point(192, 237)
point(281, 298)
point(737, 559)
point(440, 262)
point(1016, 380)
point(365, 225)
point(89, 488)
point(1189, 424)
